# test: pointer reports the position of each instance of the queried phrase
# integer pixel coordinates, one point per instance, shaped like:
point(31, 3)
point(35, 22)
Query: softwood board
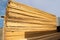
point(12, 14)
point(14, 35)
point(27, 8)
point(28, 29)
point(24, 29)
point(31, 21)
point(27, 17)
point(46, 17)
point(29, 14)
point(24, 35)
point(21, 19)
point(25, 24)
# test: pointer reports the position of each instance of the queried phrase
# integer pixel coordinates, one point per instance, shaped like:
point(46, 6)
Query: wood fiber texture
point(21, 20)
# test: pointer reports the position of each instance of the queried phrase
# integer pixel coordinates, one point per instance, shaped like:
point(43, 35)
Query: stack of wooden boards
point(21, 19)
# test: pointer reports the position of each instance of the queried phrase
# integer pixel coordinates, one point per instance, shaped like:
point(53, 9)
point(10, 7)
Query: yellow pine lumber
point(27, 13)
point(31, 21)
point(26, 29)
point(14, 35)
point(16, 38)
point(12, 18)
point(22, 12)
point(29, 9)
point(15, 29)
point(24, 17)
point(29, 28)
point(25, 24)
point(20, 18)
point(48, 17)
point(18, 15)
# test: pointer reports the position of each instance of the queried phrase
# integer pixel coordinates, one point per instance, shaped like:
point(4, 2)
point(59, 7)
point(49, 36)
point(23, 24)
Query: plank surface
point(39, 16)
point(22, 21)
point(26, 17)
point(31, 22)
point(14, 35)
point(29, 14)
point(25, 24)
point(27, 8)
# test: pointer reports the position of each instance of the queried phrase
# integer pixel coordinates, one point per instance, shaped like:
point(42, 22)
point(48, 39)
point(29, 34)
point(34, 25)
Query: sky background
point(50, 6)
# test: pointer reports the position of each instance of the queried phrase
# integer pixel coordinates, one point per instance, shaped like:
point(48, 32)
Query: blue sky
point(3, 4)
point(51, 6)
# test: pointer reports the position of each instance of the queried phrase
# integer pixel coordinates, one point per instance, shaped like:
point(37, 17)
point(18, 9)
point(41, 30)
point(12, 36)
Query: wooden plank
point(52, 36)
point(25, 17)
point(27, 8)
point(22, 13)
point(31, 21)
point(21, 19)
point(14, 35)
point(29, 14)
point(28, 29)
point(29, 17)
point(25, 24)
point(36, 34)
point(46, 18)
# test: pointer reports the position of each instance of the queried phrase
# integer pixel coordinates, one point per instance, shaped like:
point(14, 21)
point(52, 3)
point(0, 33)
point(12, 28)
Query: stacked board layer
point(21, 19)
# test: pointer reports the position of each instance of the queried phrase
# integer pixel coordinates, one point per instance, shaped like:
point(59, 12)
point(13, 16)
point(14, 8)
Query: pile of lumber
point(21, 19)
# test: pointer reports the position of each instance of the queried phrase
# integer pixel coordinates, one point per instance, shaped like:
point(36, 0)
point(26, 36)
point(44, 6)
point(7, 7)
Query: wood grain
point(21, 19)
